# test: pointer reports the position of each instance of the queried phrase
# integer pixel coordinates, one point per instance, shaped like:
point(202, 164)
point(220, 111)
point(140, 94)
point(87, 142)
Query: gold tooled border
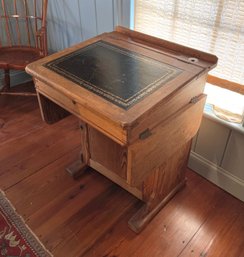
point(172, 72)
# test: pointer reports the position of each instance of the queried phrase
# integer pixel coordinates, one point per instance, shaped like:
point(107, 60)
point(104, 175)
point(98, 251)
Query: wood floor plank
point(12, 104)
point(26, 155)
point(42, 186)
point(95, 219)
point(82, 190)
point(30, 143)
point(215, 237)
point(19, 127)
point(169, 231)
point(18, 115)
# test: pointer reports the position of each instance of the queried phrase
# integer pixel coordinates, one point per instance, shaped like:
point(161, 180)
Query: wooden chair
point(23, 36)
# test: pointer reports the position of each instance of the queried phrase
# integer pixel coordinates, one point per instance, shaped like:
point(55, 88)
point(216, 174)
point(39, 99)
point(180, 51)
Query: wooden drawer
point(160, 143)
point(102, 124)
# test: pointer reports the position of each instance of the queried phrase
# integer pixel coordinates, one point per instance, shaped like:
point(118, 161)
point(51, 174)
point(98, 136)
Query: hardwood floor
point(88, 216)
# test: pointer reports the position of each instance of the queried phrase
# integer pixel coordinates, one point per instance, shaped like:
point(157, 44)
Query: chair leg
point(6, 86)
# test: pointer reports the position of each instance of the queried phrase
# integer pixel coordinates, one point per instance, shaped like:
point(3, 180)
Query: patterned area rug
point(16, 239)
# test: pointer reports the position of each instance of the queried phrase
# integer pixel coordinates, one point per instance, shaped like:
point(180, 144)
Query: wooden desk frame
point(144, 149)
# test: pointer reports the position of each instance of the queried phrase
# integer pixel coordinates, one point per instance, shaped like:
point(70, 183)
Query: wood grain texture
point(112, 156)
point(166, 138)
point(238, 88)
point(61, 211)
point(167, 45)
point(160, 186)
point(172, 229)
point(136, 191)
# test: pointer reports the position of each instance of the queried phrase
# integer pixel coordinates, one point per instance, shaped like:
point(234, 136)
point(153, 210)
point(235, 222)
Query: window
point(215, 26)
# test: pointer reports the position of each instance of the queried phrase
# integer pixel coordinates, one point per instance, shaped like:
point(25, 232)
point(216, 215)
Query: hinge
point(194, 99)
point(145, 134)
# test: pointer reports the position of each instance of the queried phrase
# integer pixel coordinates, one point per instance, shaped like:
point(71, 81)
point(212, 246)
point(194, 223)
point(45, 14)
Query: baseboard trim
point(217, 175)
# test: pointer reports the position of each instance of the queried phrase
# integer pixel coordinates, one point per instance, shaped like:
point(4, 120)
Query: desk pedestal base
point(145, 214)
point(109, 159)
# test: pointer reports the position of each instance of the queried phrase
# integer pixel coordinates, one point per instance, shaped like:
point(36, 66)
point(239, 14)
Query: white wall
point(218, 154)
point(73, 21)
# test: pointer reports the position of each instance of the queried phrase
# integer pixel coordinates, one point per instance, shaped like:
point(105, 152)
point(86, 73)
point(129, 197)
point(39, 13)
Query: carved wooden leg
point(77, 168)
point(160, 187)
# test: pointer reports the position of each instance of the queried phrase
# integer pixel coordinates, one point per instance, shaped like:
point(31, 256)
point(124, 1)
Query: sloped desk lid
point(120, 76)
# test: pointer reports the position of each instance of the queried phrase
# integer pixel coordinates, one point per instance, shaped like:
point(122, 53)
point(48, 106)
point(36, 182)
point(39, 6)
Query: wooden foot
point(145, 214)
point(77, 168)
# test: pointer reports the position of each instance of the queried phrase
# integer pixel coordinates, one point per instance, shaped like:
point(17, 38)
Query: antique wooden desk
point(139, 100)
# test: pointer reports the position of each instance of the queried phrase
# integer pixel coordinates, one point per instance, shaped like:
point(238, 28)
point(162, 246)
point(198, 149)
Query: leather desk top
point(120, 76)
point(119, 79)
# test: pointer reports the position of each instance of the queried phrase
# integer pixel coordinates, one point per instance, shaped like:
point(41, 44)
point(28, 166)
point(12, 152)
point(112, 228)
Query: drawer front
point(154, 147)
point(106, 126)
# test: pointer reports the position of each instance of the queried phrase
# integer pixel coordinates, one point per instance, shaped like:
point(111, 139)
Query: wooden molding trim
point(177, 48)
point(219, 176)
point(238, 88)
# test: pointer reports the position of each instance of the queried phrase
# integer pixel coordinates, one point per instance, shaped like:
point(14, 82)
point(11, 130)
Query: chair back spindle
point(23, 36)
point(23, 23)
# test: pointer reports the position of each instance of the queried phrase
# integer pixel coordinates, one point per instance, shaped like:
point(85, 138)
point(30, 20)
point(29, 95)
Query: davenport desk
point(140, 102)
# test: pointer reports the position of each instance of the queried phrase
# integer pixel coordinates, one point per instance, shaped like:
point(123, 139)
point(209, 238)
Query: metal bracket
point(145, 134)
point(194, 99)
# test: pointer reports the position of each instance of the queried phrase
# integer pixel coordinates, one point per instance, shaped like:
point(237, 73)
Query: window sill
point(224, 100)
point(209, 114)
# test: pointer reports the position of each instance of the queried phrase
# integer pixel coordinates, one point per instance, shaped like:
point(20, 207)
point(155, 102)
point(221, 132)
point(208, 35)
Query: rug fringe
point(4, 202)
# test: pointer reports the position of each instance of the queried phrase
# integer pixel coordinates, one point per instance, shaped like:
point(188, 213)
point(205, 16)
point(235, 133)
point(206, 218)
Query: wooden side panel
point(166, 177)
point(108, 153)
point(160, 186)
point(148, 154)
point(101, 123)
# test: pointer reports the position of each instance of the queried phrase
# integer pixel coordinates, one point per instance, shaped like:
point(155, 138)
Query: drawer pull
point(145, 134)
